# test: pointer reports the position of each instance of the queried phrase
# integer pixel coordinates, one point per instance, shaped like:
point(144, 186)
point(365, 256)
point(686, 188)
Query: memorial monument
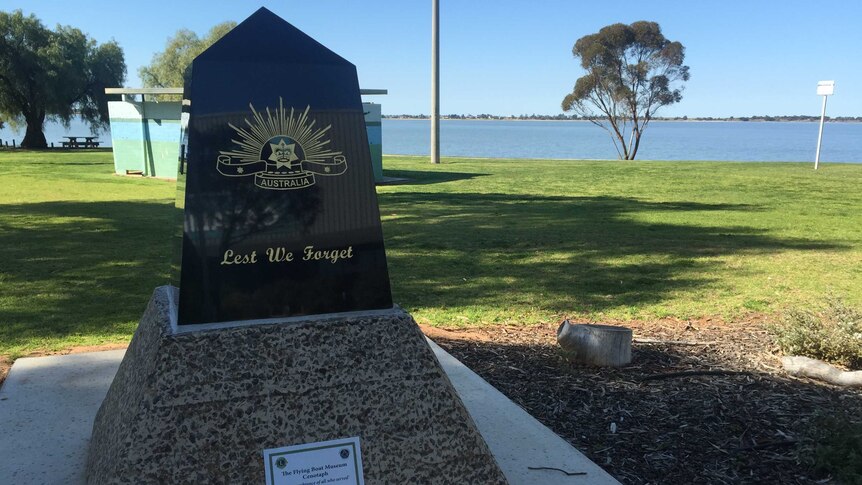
point(280, 358)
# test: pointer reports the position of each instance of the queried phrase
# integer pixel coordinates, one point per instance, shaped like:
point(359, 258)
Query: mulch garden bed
point(703, 401)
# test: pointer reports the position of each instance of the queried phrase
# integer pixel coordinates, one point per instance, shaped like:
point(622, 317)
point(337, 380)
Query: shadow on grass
point(742, 428)
point(80, 269)
point(419, 177)
point(87, 269)
point(558, 254)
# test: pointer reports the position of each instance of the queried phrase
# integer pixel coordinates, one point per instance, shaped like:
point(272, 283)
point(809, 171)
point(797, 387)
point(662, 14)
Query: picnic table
point(88, 142)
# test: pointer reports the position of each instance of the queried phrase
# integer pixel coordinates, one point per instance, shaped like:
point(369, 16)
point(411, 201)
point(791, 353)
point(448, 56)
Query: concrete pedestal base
point(200, 407)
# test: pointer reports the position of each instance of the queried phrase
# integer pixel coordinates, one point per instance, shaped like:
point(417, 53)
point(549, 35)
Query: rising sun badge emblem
point(283, 150)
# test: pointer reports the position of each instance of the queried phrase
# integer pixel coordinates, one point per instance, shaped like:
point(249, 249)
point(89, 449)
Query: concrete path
point(47, 407)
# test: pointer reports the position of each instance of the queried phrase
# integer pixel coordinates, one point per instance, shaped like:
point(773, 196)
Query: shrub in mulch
point(833, 334)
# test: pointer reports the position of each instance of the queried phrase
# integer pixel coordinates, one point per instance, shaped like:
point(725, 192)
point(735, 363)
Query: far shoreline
point(616, 160)
point(654, 120)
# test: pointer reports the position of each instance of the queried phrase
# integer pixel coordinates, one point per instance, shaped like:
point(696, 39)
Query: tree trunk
point(601, 345)
point(637, 144)
point(624, 155)
point(34, 138)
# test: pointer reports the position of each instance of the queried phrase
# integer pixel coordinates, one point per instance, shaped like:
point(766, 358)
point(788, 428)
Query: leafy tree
point(168, 68)
point(54, 74)
point(632, 71)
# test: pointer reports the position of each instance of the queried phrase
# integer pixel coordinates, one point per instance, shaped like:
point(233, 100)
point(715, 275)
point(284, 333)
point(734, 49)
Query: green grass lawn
point(83, 249)
point(477, 241)
point(469, 242)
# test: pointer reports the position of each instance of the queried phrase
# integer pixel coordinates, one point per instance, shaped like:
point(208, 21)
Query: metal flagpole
point(435, 81)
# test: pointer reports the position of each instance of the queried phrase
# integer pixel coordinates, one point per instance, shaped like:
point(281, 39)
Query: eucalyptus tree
point(631, 72)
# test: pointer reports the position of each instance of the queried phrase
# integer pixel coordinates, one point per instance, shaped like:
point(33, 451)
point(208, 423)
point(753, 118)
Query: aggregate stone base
point(200, 407)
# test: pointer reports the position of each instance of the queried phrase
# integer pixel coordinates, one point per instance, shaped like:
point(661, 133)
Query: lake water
point(663, 140)
point(54, 133)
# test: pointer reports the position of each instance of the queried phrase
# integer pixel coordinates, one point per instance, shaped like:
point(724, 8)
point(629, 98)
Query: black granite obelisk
point(280, 212)
point(280, 223)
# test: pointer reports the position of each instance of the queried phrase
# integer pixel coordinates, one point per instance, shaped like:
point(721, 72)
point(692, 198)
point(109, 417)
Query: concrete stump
point(599, 345)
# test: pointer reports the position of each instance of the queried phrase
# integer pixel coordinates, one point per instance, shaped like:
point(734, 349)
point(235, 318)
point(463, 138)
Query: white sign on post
point(825, 88)
point(337, 462)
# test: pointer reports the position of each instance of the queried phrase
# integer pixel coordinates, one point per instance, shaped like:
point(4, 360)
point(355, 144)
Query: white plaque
point(336, 462)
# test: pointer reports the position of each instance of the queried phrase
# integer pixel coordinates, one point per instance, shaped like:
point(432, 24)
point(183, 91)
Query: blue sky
point(514, 57)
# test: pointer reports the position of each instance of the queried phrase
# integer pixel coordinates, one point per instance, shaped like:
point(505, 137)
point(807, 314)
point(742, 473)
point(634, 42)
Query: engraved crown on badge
point(284, 151)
